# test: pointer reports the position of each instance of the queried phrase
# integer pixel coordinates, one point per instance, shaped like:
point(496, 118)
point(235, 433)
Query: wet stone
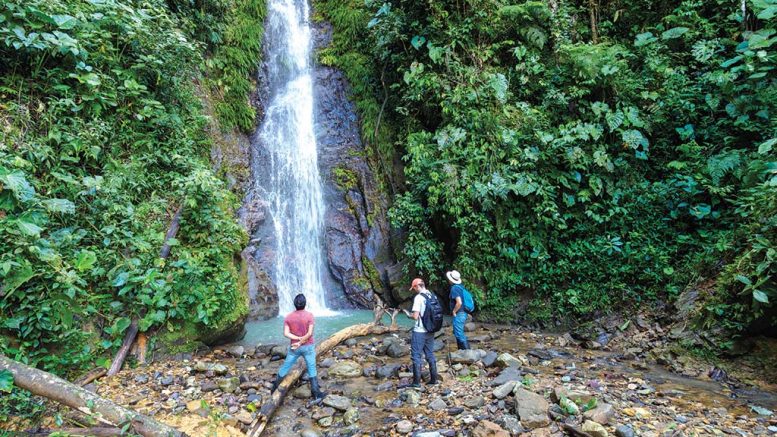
point(474, 402)
point(624, 431)
point(438, 404)
point(466, 356)
point(455, 411)
point(490, 359)
point(208, 386)
point(338, 402)
point(507, 375)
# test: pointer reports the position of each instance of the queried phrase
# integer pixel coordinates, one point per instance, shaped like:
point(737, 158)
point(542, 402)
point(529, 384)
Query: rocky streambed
point(515, 383)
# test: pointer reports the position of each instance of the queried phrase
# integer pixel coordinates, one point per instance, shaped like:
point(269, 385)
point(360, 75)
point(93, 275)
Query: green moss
point(345, 178)
point(181, 337)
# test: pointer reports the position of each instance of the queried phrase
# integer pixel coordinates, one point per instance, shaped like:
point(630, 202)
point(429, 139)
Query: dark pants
point(422, 344)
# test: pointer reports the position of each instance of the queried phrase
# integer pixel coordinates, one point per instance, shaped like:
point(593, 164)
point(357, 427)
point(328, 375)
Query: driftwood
point(91, 376)
point(272, 404)
point(104, 411)
point(94, 432)
point(574, 431)
point(132, 331)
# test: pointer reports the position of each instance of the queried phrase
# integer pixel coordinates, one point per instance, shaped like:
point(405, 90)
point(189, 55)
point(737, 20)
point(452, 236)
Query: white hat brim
point(450, 278)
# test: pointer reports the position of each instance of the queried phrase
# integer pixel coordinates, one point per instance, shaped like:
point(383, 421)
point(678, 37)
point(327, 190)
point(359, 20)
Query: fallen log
point(94, 432)
point(275, 401)
point(104, 411)
point(91, 376)
point(132, 331)
point(574, 431)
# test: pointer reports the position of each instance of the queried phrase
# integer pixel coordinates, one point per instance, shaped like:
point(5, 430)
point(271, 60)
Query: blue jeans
point(308, 352)
point(422, 344)
point(458, 326)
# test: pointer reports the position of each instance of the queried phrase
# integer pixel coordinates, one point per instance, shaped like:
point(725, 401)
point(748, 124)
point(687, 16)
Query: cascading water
point(293, 191)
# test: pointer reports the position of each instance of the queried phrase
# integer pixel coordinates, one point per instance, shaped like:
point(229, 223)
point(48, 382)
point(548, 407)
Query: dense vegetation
point(103, 137)
point(588, 155)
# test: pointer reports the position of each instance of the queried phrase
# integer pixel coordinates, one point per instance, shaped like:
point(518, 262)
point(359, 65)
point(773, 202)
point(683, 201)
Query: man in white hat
point(461, 304)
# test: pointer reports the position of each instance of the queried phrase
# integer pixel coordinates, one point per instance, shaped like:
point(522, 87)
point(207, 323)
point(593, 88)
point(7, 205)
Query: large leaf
point(760, 296)
point(6, 381)
point(674, 32)
point(17, 183)
point(62, 206)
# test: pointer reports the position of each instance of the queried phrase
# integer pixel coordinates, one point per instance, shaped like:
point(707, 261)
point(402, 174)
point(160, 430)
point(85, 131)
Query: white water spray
point(296, 203)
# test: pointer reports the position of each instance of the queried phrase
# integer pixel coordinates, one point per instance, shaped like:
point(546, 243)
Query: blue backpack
point(467, 302)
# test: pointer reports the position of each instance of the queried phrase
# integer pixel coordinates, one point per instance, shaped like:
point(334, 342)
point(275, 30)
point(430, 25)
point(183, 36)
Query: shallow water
point(271, 331)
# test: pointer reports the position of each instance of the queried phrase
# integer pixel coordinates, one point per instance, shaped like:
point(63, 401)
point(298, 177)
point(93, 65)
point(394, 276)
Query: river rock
point(532, 409)
point(512, 425)
point(404, 427)
point(507, 360)
point(325, 421)
point(397, 350)
point(601, 414)
point(465, 356)
point(236, 351)
point(345, 369)
point(327, 362)
point(195, 406)
point(208, 386)
point(507, 375)
point(569, 406)
point(411, 397)
point(323, 412)
point(503, 390)
point(279, 351)
point(470, 327)
point(309, 433)
point(351, 416)
point(216, 368)
point(388, 371)
point(141, 379)
point(474, 402)
point(244, 417)
point(490, 359)
point(594, 429)
point(229, 385)
point(624, 431)
point(438, 404)
point(302, 392)
point(487, 428)
point(337, 402)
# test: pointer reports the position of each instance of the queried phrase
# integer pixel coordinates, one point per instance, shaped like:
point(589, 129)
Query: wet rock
point(216, 368)
point(512, 425)
point(532, 409)
point(466, 356)
point(411, 397)
point(404, 427)
point(167, 380)
point(470, 327)
point(388, 371)
point(438, 405)
point(594, 429)
point(455, 411)
point(350, 342)
point(624, 431)
point(236, 351)
point(279, 351)
point(601, 414)
point(327, 362)
point(487, 428)
point(490, 359)
point(507, 360)
point(507, 375)
point(474, 402)
point(254, 398)
point(229, 385)
point(398, 350)
point(345, 369)
point(503, 390)
point(351, 416)
point(325, 421)
point(338, 402)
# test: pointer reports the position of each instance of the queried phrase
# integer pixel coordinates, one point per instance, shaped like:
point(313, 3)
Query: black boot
point(465, 344)
point(276, 383)
point(433, 380)
point(459, 345)
point(416, 376)
point(315, 390)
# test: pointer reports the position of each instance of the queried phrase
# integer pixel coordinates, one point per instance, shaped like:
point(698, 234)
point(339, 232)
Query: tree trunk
point(94, 432)
point(57, 389)
point(272, 404)
point(91, 376)
point(593, 12)
point(129, 338)
point(132, 332)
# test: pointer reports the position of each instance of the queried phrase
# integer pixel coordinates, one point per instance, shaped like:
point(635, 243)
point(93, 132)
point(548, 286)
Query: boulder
point(337, 402)
point(490, 359)
point(594, 429)
point(470, 327)
point(397, 350)
point(503, 390)
point(279, 351)
point(235, 351)
point(507, 375)
point(489, 429)
point(388, 371)
point(345, 369)
point(302, 392)
point(532, 409)
point(324, 412)
point(466, 356)
point(601, 414)
point(507, 360)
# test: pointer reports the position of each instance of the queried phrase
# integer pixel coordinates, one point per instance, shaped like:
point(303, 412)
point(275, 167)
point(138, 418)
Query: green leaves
point(16, 182)
point(674, 32)
point(6, 381)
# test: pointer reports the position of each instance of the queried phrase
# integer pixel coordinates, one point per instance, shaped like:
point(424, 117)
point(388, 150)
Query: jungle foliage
point(580, 156)
point(102, 138)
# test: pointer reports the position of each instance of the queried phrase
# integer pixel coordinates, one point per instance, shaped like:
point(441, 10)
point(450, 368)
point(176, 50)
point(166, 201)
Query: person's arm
point(415, 313)
point(307, 335)
point(287, 333)
point(457, 307)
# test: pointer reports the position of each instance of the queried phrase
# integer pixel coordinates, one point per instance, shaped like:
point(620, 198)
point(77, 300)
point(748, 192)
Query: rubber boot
point(416, 376)
point(459, 344)
point(465, 344)
point(433, 380)
point(315, 390)
point(276, 383)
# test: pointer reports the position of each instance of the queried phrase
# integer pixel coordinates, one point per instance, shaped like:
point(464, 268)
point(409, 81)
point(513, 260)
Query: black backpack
point(432, 316)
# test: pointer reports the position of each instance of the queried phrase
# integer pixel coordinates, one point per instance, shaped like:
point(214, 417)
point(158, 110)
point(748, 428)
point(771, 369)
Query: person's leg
point(458, 329)
point(308, 352)
point(416, 349)
point(430, 358)
point(288, 363)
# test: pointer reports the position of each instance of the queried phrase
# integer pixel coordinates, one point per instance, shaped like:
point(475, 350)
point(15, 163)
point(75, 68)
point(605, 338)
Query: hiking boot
point(276, 383)
point(465, 344)
point(315, 390)
point(433, 378)
point(459, 345)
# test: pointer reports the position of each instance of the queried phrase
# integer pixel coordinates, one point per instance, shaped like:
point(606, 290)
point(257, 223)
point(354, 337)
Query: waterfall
point(293, 189)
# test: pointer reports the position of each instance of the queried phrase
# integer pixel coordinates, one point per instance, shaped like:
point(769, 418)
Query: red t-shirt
point(298, 323)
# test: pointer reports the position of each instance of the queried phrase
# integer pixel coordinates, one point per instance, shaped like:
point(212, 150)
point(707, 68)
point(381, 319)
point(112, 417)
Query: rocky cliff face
point(359, 255)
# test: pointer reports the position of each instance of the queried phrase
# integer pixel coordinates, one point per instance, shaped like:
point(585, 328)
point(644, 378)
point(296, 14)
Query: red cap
point(416, 281)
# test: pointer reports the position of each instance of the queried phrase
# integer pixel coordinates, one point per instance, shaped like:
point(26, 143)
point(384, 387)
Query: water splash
point(296, 204)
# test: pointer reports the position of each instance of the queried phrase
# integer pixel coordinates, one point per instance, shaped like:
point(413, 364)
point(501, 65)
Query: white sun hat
point(454, 276)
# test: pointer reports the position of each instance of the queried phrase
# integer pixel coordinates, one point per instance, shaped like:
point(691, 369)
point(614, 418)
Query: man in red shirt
point(298, 328)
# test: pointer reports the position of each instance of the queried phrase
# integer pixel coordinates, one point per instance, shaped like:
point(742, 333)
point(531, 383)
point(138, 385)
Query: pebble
point(404, 426)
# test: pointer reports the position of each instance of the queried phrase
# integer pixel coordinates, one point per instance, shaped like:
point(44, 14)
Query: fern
point(722, 164)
